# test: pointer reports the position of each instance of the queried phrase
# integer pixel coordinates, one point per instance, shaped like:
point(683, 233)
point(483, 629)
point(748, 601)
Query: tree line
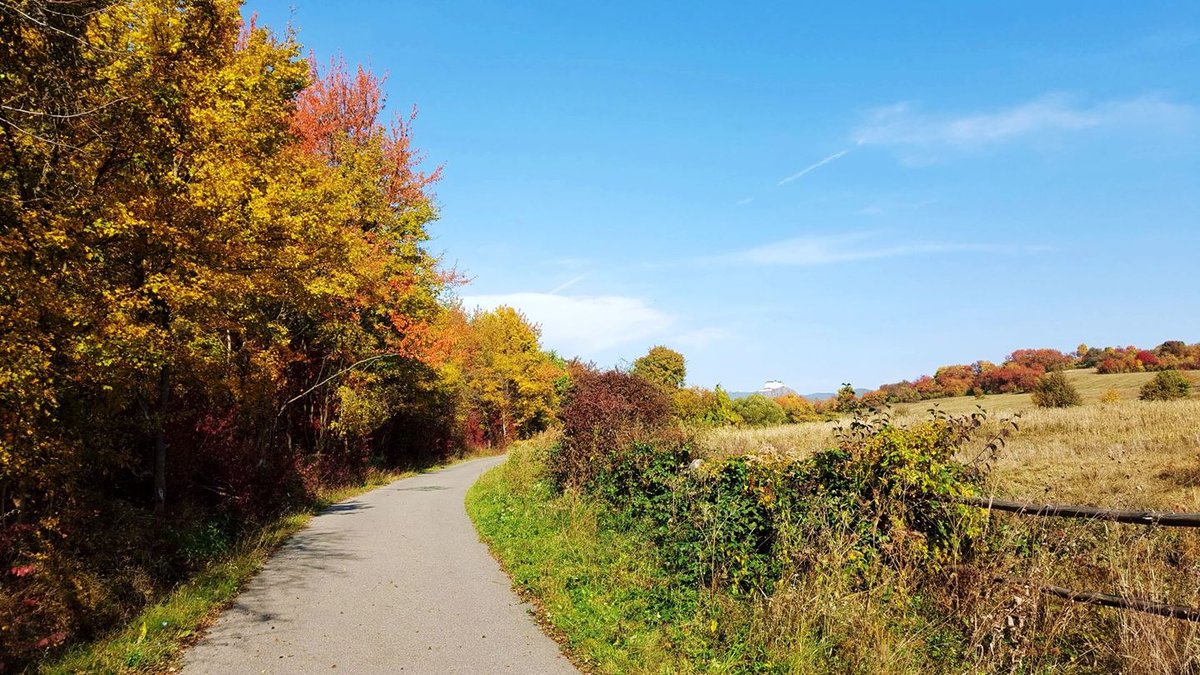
point(1021, 370)
point(1036, 371)
point(216, 298)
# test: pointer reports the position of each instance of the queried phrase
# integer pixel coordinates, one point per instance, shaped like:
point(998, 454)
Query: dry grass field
point(1128, 453)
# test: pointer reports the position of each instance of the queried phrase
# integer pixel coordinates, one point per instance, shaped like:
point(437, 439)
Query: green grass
point(155, 639)
point(597, 582)
point(600, 588)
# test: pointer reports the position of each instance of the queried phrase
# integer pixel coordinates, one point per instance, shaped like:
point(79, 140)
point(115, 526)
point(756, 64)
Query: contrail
point(569, 283)
point(814, 166)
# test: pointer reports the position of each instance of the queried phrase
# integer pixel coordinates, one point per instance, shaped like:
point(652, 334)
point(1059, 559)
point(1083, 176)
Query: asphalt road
point(395, 580)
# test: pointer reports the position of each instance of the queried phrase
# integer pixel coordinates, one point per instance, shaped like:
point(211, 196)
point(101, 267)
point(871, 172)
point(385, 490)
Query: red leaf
point(23, 570)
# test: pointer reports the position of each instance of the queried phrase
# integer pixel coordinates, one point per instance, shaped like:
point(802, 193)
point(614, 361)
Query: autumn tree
point(508, 377)
point(215, 293)
point(1045, 359)
point(757, 410)
point(662, 366)
point(955, 380)
point(846, 399)
point(796, 408)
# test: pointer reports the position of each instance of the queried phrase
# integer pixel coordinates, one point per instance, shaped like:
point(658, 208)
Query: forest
point(217, 301)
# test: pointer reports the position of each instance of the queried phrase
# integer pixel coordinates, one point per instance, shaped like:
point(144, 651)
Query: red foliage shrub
point(1123, 360)
point(1147, 358)
point(602, 415)
point(927, 388)
point(955, 380)
point(1046, 359)
point(1010, 378)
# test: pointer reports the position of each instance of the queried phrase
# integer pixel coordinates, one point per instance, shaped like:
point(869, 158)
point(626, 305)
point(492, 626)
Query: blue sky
point(852, 194)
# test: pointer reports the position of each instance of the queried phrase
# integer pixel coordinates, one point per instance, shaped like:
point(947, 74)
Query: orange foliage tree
point(215, 298)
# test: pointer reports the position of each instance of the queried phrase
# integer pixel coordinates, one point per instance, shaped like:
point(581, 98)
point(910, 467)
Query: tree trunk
point(160, 441)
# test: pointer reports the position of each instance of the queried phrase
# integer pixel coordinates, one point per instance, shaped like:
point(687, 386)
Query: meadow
point(1128, 453)
point(616, 600)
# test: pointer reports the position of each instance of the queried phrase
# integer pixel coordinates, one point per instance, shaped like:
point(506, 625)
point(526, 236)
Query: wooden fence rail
point(1163, 518)
point(1108, 600)
point(1102, 599)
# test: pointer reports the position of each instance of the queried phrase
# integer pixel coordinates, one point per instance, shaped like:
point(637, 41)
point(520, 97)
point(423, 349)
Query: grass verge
point(600, 586)
point(596, 582)
point(155, 639)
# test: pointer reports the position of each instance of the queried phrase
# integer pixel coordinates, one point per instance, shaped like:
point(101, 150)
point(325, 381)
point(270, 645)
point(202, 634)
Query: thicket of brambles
point(215, 300)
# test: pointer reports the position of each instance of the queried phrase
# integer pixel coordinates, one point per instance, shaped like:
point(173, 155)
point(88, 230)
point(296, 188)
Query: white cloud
point(903, 124)
point(582, 324)
point(829, 250)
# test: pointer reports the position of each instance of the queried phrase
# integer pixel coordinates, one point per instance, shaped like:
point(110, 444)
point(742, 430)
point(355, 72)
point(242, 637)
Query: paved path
point(395, 580)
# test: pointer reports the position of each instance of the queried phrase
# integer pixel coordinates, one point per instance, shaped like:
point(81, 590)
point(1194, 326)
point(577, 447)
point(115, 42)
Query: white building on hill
point(775, 389)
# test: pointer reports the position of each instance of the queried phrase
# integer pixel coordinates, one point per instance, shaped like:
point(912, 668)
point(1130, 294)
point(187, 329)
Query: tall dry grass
point(1131, 454)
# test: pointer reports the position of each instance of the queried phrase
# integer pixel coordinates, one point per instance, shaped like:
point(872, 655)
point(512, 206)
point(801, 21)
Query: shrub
point(720, 526)
point(1110, 396)
point(1147, 358)
point(700, 407)
point(1166, 385)
point(757, 410)
point(1010, 378)
point(1053, 390)
point(883, 486)
point(797, 408)
point(741, 522)
point(604, 414)
point(1044, 359)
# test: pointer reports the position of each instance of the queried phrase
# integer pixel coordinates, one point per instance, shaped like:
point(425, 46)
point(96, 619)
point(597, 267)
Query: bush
point(1010, 378)
point(757, 410)
point(1110, 395)
point(603, 415)
point(797, 408)
point(741, 522)
point(1166, 385)
point(1053, 390)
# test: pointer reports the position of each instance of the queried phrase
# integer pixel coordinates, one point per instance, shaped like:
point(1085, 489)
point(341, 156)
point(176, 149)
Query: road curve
point(394, 580)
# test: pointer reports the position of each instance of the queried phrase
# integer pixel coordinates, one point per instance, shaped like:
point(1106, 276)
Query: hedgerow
point(744, 522)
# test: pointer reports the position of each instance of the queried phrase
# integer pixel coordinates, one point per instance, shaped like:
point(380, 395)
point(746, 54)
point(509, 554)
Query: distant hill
point(775, 389)
point(822, 395)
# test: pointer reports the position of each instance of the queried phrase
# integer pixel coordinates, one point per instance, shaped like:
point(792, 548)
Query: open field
point(1130, 453)
point(834, 605)
point(1090, 384)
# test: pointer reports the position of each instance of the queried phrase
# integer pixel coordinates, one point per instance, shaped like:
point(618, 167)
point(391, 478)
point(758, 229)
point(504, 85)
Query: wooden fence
point(1165, 519)
point(1159, 518)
